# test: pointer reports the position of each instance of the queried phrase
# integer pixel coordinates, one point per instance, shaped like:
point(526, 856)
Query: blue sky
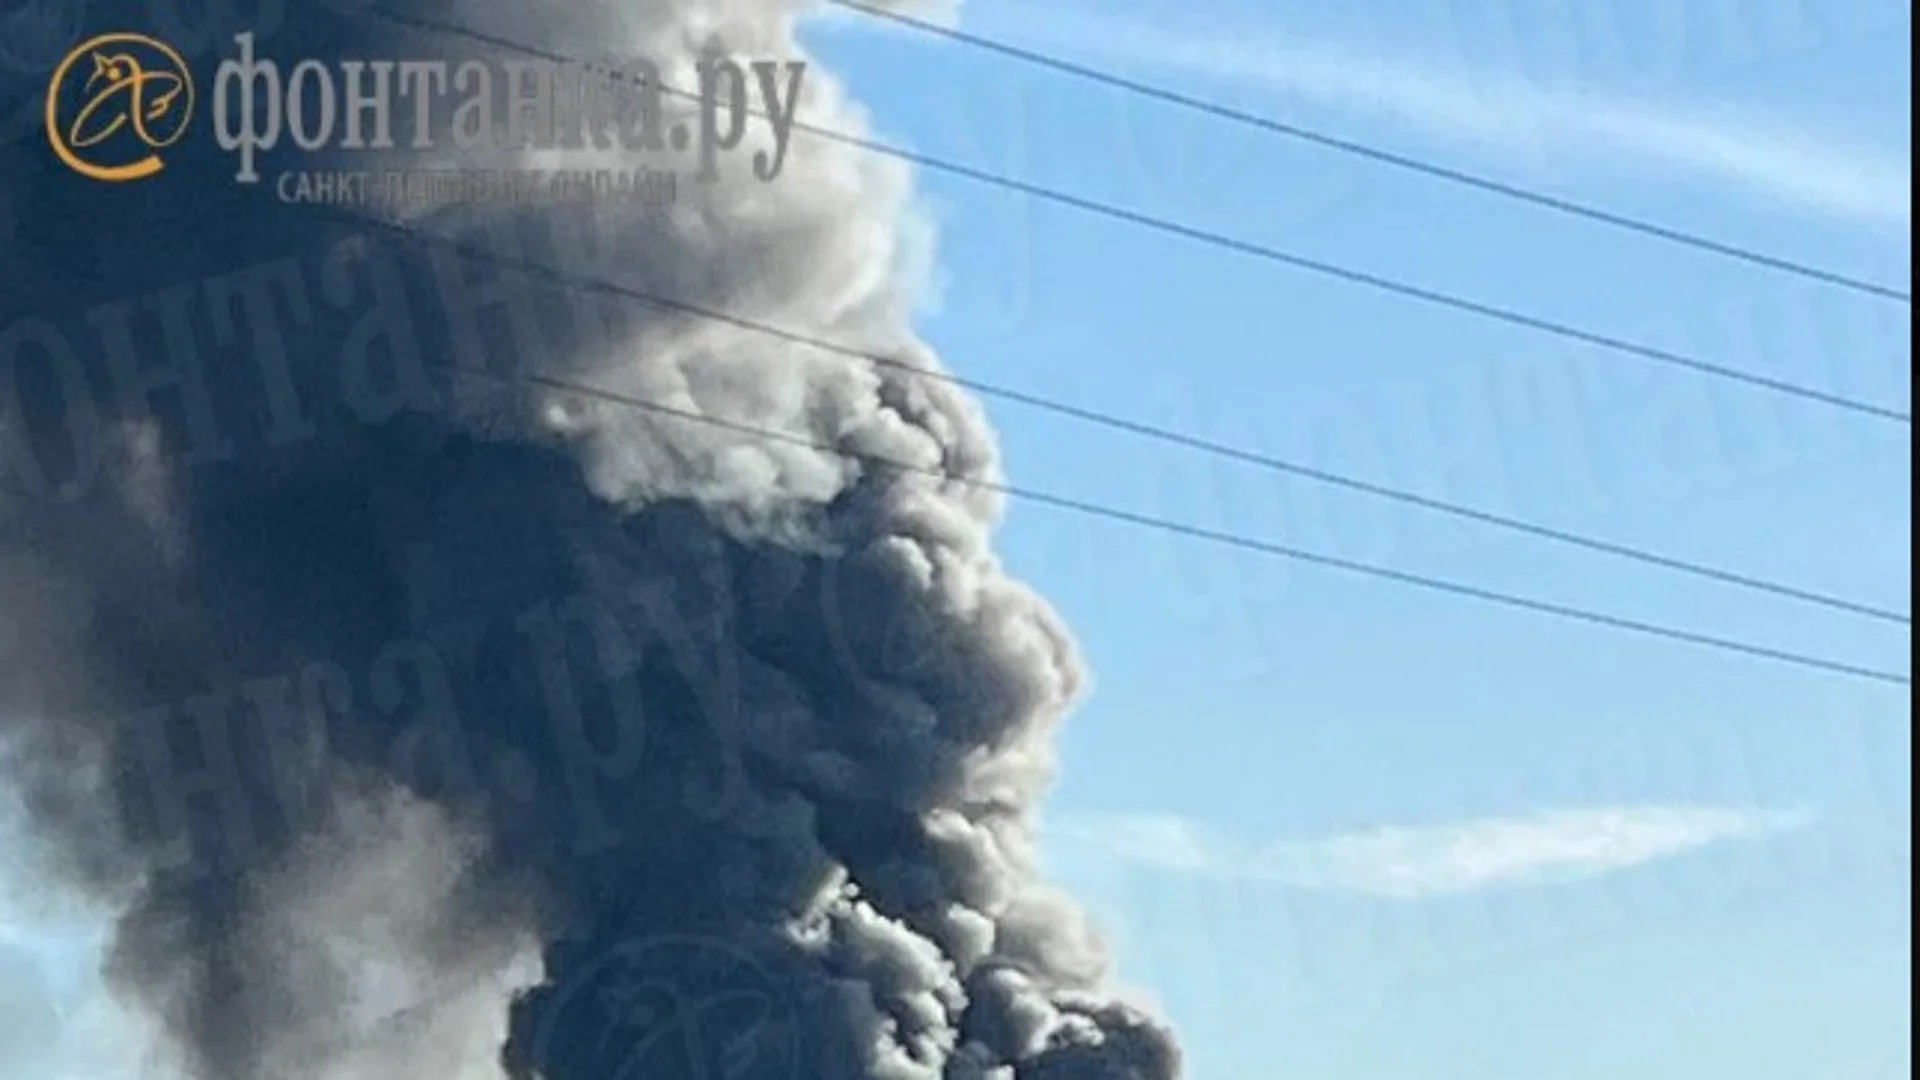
point(1340, 829)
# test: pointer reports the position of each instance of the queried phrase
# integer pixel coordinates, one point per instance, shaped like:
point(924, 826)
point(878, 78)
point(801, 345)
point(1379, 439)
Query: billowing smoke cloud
point(427, 721)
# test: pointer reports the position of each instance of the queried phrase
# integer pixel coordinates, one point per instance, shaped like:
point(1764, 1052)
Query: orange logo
point(115, 102)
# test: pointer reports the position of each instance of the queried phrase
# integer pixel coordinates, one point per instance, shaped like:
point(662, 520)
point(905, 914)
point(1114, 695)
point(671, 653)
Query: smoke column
point(423, 721)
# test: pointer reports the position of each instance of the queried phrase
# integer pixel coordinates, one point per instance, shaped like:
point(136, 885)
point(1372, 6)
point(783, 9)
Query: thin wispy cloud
point(1434, 860)
point(1507, 115)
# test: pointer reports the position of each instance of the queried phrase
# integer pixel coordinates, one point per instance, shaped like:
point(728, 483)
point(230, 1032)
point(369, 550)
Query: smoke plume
point(424, 719)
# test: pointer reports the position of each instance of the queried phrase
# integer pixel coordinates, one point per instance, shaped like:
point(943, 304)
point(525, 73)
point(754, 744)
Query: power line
point(1111, 513)
point(1173, 437)
point(1241, 245)
point(1244, 456)
point(1352, 147)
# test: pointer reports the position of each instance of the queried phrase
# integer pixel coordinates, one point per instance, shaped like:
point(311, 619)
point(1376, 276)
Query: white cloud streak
point(1410, 863)
point(1510, 116)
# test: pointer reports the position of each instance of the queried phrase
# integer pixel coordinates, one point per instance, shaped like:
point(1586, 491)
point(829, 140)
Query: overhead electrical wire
point(1355, 148)
point(1264, 252)
point(1089, 508)
point(1210, 447)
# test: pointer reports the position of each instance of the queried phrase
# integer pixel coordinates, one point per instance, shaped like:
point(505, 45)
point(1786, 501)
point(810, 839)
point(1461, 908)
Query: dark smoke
point(447, 726)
